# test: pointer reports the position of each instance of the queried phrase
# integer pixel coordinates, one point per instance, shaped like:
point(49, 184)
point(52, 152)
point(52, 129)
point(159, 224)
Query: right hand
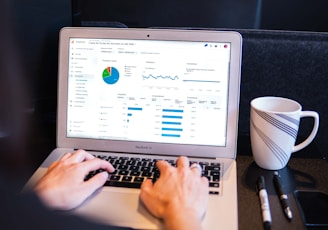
point(179, 196)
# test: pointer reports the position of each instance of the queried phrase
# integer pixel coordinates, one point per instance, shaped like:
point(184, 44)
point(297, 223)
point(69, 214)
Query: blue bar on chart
point(171, 123)
point(170, 135)
point(171, 116)
point(173, 110)
point(129, 114)
point(135, 108)
point(172, 129)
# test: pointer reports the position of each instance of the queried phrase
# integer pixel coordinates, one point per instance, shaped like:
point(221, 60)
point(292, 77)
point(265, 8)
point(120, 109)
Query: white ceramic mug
point(274, 123)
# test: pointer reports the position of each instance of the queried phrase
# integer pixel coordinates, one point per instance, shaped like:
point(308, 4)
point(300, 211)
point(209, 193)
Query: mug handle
point(310, 138)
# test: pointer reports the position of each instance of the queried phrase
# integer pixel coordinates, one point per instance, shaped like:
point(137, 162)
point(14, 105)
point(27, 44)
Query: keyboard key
point(215, 184)
point(146, 159)
point(147, 174)
point(123, 172)
point(123, 184)
point(216, 168)
point(122, 167)
point(127, 178)
point(214, 192)
point(115, 178)
point(216, 178)
point(135, 173)
point(145, 169)
point(134, 168)
point(138, 179)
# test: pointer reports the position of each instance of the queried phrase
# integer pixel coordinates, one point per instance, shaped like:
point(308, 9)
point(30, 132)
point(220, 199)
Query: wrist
point(49, 196)
point(178, 217)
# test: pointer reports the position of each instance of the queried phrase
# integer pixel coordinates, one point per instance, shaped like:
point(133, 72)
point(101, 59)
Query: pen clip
point(278, 183)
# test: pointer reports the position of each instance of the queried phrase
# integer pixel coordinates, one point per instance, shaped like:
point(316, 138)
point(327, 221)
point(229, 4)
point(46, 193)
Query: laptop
point(150, 94)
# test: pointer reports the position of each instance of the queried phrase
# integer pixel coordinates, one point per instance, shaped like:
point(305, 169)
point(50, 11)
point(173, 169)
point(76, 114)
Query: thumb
point(146, 188)
point(148, 197)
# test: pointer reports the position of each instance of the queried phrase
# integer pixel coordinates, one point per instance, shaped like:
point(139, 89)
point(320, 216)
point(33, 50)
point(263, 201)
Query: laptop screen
point(148, 90)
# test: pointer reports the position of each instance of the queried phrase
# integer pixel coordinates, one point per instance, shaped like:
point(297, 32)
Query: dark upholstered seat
point(287, 64)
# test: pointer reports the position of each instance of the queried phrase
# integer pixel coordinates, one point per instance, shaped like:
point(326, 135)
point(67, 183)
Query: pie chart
point(110, 75)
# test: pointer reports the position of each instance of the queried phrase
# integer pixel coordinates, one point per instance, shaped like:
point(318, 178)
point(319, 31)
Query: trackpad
point(121, 207)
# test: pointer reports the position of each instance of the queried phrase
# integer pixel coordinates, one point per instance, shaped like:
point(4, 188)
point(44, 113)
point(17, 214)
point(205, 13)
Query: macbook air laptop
point(133, 96)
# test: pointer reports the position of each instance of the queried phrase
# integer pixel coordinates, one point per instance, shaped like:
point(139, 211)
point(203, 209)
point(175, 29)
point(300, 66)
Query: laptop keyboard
point(130, 172)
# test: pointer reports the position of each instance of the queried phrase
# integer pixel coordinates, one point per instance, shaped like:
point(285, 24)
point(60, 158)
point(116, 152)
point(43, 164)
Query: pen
point(282, 195)
point(265, 208)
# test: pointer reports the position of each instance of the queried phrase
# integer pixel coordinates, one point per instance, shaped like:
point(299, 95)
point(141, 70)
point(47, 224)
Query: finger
point(80, 156)
point(205, 184)
point(96, 163)
point(196, 168)
point(162, 166)
point(65, 156)
point(145, 190)
point(96, 182)
point(182, 162)
point(146, 185)
point(205, 181)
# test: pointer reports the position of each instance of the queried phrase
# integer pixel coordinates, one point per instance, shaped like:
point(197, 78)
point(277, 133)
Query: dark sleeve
point(27, 211)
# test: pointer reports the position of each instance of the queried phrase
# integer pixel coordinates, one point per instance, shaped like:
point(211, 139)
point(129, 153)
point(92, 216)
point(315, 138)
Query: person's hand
point(63, 186)
point(179, 196)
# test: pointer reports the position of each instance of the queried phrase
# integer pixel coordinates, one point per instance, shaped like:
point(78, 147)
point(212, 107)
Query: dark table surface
point(307, 170)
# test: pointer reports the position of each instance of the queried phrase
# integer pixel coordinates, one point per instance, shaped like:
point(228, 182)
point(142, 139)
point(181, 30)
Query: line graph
point(150, 76)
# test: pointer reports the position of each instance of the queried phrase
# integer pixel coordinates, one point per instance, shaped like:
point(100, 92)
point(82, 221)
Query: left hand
point(63, 186)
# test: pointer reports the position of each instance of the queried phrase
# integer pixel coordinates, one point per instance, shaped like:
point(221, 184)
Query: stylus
point(265, 207)
point(282, 195)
